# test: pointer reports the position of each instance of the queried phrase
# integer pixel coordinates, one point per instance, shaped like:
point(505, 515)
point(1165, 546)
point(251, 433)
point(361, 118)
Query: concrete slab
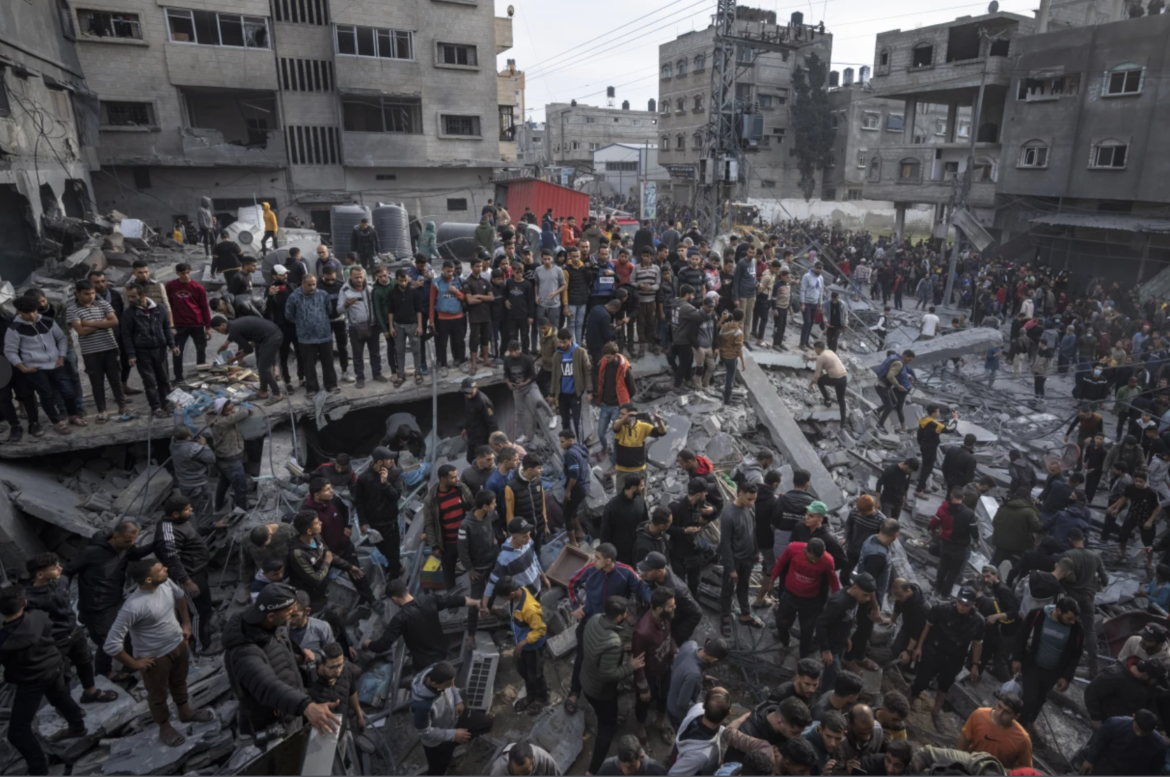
point(791, 361)
point(146, 494)
point(786, 434)
point(40, 495)
point(963, 428)
point(18, 540)
point(142, 753)
point(561, 734)
point(664, 450)
point(927, 352)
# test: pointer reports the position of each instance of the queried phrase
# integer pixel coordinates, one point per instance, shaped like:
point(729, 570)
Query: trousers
point(741, 587)
point(44, 383)
point(100, 367)
point(201, 608)
point(404, 333)
point(341, 347)
point(198, 335)
point(780, 316)
point(25, 703)
point(792, 608)
point(951, 561)
point(685, 358)
point(531, 668)
point(266, 353)
point(729, 381)
point(439, 756)
point(290, 345)
point(570, 408)
point(1037, 683)
point(310, 354)
point(647, 323)
point(808, 313)
point(607, 723)
point(449, 330)
point(152, 368)
point(169, 674)
point(231, 474)
point(838, 385)
point(370, 341)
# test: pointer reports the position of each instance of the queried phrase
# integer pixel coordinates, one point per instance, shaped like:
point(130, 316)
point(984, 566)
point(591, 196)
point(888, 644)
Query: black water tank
point(342, 220)
point(797, 19)
point(456, 240)
point(393, 226)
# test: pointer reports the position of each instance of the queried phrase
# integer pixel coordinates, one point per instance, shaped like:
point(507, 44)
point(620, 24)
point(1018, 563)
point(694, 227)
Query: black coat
point(646, 543)
point(179, 545)
point(377, 502)
point(145, 329)
point(262, 669)
point(619, 524)
point(28, 652)
point(1027, 644)
point(958, 466)
point(101, 575)
point(53, 600)
point(1116, 693)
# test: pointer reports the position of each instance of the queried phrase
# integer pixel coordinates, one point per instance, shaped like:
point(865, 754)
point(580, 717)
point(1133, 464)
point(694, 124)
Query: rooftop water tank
point(342, 220)
point(393, 227)
point(456, 240)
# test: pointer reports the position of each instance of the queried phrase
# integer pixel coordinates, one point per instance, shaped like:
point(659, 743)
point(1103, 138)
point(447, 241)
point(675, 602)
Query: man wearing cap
point(814, 527)
point(835, 623)
point(265, 338)
point(375, 496)
point(517, 559)
point(953, 629)
point(417, 622)
point(261, 665)
point(479, 420)
point(801, 575)
point(1150, 643)
point(687, 614)
point(1046, 651)
point(812, 294)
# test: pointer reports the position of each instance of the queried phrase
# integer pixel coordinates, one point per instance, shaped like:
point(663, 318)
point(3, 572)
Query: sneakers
point(36, 430)
point(552, 422)
point(348, 376)
point(360, 383)
point(424, 371)
point(380, 378)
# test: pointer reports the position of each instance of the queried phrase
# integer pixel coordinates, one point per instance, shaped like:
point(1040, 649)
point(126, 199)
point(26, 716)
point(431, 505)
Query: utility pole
point(968, 175)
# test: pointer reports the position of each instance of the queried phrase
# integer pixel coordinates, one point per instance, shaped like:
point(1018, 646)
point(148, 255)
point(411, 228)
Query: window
point(984, 169)
point(374, 42)
point(782, 97)
point(875, 170)
point(699, 62)
point(829, 194)
point(922, 56)
point(312, 145)
point(854, 194)
point(964, 130)
point(1109, 155)
point(680, 105)
point(101, 24)
point(745, 55)
point(457, 54)
point(1048, 87)
point(767, 102)
point(665, 146)
point(667, 70)
point(940, 126)
point(871, 121)
point(402, 115)
point(462, 126)
point(592, 146)
point(306, 75)
point(909, 170)
point(664, 107)
point(680, 142)
point(456, 204)
point(126, 114)
point(884, 58)
point(1123, 79)
point(507, 123)
point(895, 122)
point(212, 29)
point(621, 167)
point(698, 103)
point(141, 177)
point(697, 140)
point(743, 92)
point(950, 171)
point(590, 119)
point(680, 67)
point(1033, 154)
point(861, 158)
point(301, 11)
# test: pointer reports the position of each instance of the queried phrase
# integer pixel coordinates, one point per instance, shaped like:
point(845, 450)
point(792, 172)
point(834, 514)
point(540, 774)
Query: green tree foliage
point(812, 121)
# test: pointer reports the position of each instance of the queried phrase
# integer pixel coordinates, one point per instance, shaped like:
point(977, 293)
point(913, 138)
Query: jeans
point(25, 703)
point(892, 401)
point(808, 312)
point(231, 473)
point(100, 367)
point(98, 625)
point(665, 336)
point(449, 329)
point(659, 692)
point(926, 466)
point(606, 415)
point(760, 317)
point(266, 353)
point(781, 318)
point(169, 674)
point(310, 354)
point(729, 365)
point(531, 668)
point(951, 561)
point(182, 334)
point(647, 324)
point(838, 385)
point(200, 608)
point(741, 587)
point(576, 322)
point(685, 358)
point(833, 336)
point(439, 756)
point(290, 344)
point(789, 610)
point(515, 329)
point(1037, 683)
point(570, 407)
point(830, 672)
point(748, 306)
point(607, 723)
point(402, 334)
point(44, 382)
point(371, 340)
point(152, 368)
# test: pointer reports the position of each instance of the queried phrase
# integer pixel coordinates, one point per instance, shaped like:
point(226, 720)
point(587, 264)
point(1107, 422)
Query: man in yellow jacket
point(270, 227)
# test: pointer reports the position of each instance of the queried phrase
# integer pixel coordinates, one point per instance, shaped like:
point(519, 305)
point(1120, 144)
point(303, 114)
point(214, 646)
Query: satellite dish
point(511, 11)
point(993, 7)
point(245, 237)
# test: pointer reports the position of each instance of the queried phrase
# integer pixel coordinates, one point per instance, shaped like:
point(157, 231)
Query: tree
point(812, 122)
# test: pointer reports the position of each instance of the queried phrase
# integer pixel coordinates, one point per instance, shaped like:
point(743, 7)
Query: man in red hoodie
point(802, 572)
point(188, 301)
point(335, 529)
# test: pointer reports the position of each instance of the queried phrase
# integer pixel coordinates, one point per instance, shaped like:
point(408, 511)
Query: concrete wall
point(591, 127)
point(623, 182)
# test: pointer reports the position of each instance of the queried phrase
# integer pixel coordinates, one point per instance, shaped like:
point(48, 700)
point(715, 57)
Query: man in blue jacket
point(309, 309)
point(577, 476)
point(1125, 746)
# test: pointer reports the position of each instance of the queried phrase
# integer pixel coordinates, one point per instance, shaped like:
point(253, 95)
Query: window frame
point(877, 123)
point(1098, 146)
point(1125, 69)
point(862, 158)
point(680, 67)
point(902, 163)
point(667, 71)
point(85, 35)
point(103, 116)
point(391, 34)
point(441, 55)
point(244, 21)
point(1035, 147)
point(698, 63)
point(476, 123)
point(919, 47)
point(890, 117)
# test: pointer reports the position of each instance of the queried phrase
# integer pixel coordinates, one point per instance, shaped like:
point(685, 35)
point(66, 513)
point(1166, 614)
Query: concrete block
point(963, 428)
point(951, 346)
point(119, 258)
point(559, 733)
point(115, 241)
point(141, 753)
point(146, 494)
point(40, 495)
point(837, 459)
point(15, 530)
point(81, 262)
point(664, 450)
point(790, 361)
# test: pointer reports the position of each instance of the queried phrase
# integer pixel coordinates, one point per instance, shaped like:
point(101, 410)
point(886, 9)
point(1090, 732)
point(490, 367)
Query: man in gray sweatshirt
point(36, 346)
point(357, 303)
point(648, 278)
point(737, 554)
point(191, 458)
point(746, 283)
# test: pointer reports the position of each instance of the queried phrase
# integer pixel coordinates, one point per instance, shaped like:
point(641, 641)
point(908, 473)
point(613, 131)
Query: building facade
point(763, 88)
point(300, 103)
point(510, 83)
point(530, 149)
point(620, 168)
point(573, 132)
point(48, 130)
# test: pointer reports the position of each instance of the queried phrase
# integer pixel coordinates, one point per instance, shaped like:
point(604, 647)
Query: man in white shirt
point(929, 325)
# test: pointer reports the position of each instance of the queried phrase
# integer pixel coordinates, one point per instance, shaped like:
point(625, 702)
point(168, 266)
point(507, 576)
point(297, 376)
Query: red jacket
point(801, 578)
point(621, 383)
point(655, 641)
point(703, 466)
point(188, 303)
point(942, 520)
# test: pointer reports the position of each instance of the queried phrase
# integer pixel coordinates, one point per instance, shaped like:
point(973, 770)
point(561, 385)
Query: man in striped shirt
point(94, 321)
point(517, 560)
point(443, 511)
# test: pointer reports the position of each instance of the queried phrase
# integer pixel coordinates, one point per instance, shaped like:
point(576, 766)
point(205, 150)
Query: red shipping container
point(541, 195)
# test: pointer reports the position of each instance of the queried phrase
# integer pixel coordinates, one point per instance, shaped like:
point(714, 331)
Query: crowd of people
point(567, 321)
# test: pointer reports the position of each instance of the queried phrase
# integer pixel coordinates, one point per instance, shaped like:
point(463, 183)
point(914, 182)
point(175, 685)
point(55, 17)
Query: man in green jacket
point(485, 234)
point(570, 381)
point(602, 670)
point(1014, 527)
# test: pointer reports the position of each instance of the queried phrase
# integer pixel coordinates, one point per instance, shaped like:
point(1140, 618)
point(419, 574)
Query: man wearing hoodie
point(428, 242)
point(1014, 526)
point(271, 228)
point(441, 719)
point(310, 310)
point(602, 669)
point(35, 667)
point(356, 301)
point(699, 742)
point(623, 515)
point(1075, 516)
point(205, 222)
point(485, 233)
point(652, 535)
point(147, 336)
point(36, 346)
point(188, 302)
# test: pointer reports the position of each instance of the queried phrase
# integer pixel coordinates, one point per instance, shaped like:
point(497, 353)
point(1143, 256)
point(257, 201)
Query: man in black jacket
point(364, 242)
point(263, 670)
point(417, 622)
point(623, 515)
point(835, 623)
point(179, 544)
point(790, 511)
point(652, 535)
point(100, 569)
point(894, 484)
point(687, 613)
point(478, 548)
point(1046, 651)
point(47, 595)
point(35, 667)
point(1122, 688)
point(964, 532)
point(958, 465)
point(376, 498)
point(767, 500)
point(147, 338)
point(310, 560)
point(689, 515)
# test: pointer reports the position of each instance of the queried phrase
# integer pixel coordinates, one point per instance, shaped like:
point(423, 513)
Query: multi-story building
point(952, 64)
point(510, 84)
point(1085, 115)
point(48, 129)
point(573, 132)
point(530, 147)
point(301, 103)
point(619, 168)
point(763, 87)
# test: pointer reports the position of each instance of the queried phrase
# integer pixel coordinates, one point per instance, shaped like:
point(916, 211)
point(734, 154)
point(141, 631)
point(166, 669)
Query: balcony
point(942, 81)
point(932, 174)
point(220, 67)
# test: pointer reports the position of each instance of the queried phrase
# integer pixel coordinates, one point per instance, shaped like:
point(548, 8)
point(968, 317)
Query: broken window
point(895, 122)
point(1000, 47)
point(1051, 86)
point(462, 126)
point(962, 43)
point(141, 177)
point(767, 102)
point(103, 24)
point(374, 42)
point(1034, 153)
point(910, 169)
point(242, 118)
point(401, 115)
point(212, 29)
point(964, 130)
point(126, 114)
point(984, 169)
point(1109, 154)
point(507, 123)
point(457, 54)
point(1124, 79)
point(922, 56)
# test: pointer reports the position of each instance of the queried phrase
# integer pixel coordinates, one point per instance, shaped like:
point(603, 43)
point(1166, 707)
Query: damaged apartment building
point(48, 133)
point(1064, 106)
point(303, 104)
